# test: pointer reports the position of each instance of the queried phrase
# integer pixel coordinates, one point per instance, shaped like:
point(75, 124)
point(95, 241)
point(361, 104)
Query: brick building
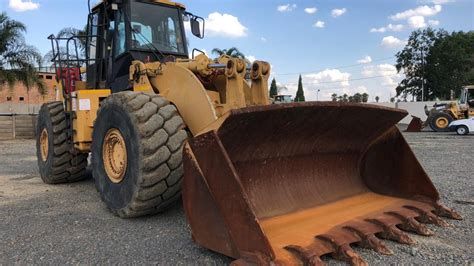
point(19, 94)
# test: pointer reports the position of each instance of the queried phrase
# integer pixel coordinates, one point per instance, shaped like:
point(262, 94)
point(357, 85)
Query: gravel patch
point(68, 224)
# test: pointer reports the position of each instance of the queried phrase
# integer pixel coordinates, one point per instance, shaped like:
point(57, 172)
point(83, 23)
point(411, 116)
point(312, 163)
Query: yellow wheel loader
point(441, 115)
point(261, 183)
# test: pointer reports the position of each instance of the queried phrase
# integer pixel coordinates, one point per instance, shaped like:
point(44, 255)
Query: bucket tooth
point(391, 232)
point(307, 256)
point(411, 225)
point(444, 211)
point(427, 217)
point(370, 241)
point(343, 252)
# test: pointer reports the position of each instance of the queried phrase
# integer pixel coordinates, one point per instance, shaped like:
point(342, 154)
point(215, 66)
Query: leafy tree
point(450, 64)
point(365, 97)
point(17, 59)
point(377, 98)
point(412, 60)
point(273, 88)
point(357, 98)
point(345, 98)
point(232, 52)
point(392, 100)
point(334, 97)
point(300, 92)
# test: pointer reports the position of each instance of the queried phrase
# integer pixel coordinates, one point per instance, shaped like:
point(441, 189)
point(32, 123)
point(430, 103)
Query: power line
point(338, 67)
point(342, 80)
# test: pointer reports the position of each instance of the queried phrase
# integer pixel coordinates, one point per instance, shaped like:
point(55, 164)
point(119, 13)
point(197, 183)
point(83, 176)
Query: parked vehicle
point(463, 126)
point(441, 115)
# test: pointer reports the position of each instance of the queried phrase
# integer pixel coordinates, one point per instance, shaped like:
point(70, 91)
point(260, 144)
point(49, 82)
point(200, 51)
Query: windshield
point(156, 26)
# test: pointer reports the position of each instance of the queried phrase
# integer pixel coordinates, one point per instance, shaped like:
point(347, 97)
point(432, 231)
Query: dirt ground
point(68, 224)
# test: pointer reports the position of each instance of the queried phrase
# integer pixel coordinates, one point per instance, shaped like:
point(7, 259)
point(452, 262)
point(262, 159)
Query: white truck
point(462, 126)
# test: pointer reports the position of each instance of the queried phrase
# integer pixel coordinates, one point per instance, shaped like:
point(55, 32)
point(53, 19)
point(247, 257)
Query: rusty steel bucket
point(416, 125)
point(290, 183)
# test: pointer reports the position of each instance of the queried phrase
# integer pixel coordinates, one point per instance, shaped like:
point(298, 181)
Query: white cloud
point(286, 8)
point(389, 27)
point(310, 10)
point(263, 39)
point(433, 22)
point(328, 75)
point(425, 11)
point(392, 42)
point(417, 22)
point(338, 12)
point(251, 58)
point(388, 73)
point(23, 5)
point(338, 82)
point(224, 25)
point(319, 24)
point(367, 59)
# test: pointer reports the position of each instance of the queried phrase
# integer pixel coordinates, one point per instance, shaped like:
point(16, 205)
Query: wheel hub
point(114, 155)
point(44, 145)
point(442, 122)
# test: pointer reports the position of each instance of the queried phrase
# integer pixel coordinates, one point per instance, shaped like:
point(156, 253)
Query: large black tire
point(154, 135)
point(58, 164)
point(435, 123)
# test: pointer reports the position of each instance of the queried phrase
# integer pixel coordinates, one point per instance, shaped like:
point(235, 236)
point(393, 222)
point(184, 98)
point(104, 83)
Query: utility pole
point(317, 95)
point(423, 76)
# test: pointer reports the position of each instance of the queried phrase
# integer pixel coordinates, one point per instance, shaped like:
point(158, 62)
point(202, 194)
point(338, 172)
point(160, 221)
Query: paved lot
point(45, 224)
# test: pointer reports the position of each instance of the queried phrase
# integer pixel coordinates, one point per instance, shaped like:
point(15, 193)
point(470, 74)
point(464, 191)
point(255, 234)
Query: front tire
point(462, 130)
point(137, 153)
point(56, 162)
point(440, 122)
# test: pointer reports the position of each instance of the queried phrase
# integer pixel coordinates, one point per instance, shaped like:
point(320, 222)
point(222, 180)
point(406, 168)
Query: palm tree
point(357, 98)
point(67, 33)
point(70, 32)
point(232, 52)
point(334, 97)
point(365, 97)
point(345, 98)
point(17, 59)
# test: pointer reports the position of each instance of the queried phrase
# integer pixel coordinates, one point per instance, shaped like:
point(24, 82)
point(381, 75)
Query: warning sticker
point(84, 104)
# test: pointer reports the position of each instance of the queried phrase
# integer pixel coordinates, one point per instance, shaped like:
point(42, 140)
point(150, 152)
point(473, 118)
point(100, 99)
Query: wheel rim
point(461, 130)
point(114, 155)
point(44, 145)
point(442, 122)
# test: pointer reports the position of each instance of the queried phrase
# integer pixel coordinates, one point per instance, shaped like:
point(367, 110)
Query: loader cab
point(125, 30)
point(467, 96)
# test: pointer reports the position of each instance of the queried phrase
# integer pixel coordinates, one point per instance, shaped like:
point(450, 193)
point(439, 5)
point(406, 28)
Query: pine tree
point(300, 93)
point(273, 89)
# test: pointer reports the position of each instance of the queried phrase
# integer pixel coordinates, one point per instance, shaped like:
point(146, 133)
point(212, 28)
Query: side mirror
point(196, 27)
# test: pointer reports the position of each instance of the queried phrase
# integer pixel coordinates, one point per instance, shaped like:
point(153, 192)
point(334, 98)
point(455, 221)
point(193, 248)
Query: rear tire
point(462, 130)
point(57, 164)
point(141, 170)
point(439, 122)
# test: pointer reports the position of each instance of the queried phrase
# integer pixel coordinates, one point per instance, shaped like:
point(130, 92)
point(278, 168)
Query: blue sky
point(339, 46)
